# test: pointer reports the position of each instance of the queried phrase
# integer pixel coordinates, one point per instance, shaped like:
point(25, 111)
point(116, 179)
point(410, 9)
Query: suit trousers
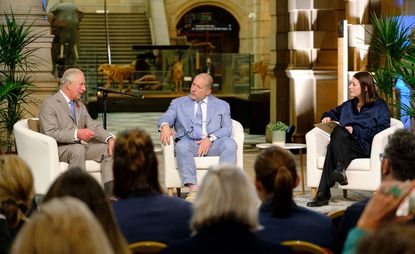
point(76, 155)
point(341, 150)
point(186, 150)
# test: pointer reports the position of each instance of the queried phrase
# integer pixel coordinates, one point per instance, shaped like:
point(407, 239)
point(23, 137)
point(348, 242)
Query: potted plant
point(279, 130)
point(16, 59)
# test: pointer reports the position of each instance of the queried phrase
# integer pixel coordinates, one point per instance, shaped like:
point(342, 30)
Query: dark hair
point(79, 184)
point(135, 165)
point(367, 85)
point(400, 152)
point(275, 168)
point(391, 238)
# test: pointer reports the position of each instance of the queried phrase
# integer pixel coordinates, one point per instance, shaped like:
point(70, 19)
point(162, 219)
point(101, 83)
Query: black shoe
point(340, 176)
point(320, 200)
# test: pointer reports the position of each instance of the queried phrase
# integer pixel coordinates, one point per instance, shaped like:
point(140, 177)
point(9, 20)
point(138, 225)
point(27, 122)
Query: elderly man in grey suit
point(65, 118)
point(202, 125)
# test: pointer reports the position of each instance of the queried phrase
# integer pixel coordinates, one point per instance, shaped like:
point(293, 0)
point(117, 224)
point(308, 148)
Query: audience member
point(78, 184)
point(65, 118)
point(225, 216)
point(16, 195)
point(395, 238)
point(360, 118)
point(202, 126)
point(142, 211)
point(276, 177)
point(397, 164)
point(62, 225)
point(379, 212)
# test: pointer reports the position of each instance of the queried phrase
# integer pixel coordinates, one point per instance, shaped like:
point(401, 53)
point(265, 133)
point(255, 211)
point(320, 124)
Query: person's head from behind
point(73, 84)
point(201, 87)
point(78, 184)
point(16, 189)
point(62, 225)
point(362, 85)
point(226, 195)
point(398, 161)
point(392, 238)
point(135, 165)
point(275, 178)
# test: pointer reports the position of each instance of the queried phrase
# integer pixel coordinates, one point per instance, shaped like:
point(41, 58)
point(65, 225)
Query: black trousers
point(343, 148)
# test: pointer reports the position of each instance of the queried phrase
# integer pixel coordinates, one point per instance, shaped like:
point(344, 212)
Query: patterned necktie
point(197, 132)
point(72, 107)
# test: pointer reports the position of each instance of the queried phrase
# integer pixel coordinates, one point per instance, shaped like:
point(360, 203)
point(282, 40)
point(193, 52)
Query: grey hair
point(69, 76)
point(226, 194)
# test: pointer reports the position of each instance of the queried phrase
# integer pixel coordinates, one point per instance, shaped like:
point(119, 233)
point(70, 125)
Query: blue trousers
point(186, 150)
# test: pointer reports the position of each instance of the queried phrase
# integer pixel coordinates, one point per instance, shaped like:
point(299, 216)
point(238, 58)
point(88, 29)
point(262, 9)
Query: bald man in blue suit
point(213, 138)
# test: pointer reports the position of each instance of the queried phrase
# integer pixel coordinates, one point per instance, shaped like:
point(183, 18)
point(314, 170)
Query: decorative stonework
point(42, 78)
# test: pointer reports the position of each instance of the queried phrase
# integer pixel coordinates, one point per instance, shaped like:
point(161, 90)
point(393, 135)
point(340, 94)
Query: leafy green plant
point(393, 56)
point(279, 126)
point(16, 59)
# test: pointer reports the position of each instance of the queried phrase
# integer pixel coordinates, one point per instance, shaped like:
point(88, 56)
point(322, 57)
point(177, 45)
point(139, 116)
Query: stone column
point(42, 77)
point(312, 68)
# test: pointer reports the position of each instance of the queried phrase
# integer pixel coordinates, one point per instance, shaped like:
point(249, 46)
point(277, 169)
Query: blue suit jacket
point(180, 115)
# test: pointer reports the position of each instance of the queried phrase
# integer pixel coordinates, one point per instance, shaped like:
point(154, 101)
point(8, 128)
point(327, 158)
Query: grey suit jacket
point(180, 114)
point(56, 121)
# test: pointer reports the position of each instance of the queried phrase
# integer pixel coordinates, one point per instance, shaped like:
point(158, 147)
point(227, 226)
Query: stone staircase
point(125, 30)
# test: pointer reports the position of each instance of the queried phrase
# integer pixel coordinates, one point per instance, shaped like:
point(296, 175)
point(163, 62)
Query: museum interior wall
point(289, 48)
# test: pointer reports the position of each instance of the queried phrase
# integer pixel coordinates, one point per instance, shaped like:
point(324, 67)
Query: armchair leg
point(313, 192)
point(345, 193)
point(179, 191)
point(170, 192)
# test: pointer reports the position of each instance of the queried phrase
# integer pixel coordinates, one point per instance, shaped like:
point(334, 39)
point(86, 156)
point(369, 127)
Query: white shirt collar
point(66, 97)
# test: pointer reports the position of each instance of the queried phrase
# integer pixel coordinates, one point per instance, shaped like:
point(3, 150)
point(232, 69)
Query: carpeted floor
point(120, 121)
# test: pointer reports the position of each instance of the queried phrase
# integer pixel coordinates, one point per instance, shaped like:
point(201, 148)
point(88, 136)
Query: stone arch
point(185, 6)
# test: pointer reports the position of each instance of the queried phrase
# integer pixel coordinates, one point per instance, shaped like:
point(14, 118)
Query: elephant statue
point(64, 19)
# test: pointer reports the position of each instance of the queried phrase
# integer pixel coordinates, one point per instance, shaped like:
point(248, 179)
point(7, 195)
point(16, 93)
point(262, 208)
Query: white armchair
point(362, 173)
point(171, 173)
point(40, 152)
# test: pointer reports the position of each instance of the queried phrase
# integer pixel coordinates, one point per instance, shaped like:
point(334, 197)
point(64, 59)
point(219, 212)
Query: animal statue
point(118, 73)
point(64, 19)
point(261, 69)
point(177, 75)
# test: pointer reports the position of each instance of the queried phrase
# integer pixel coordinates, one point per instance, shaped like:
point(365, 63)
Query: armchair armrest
point(40, 152)
point(316, 141)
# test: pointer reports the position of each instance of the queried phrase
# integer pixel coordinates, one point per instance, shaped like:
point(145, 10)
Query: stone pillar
point(312, 68)
point(42, 77)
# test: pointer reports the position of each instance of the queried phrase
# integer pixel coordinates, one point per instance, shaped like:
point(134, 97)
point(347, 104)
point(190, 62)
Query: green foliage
point(279, 126)
point(393, 48)
point(16, 59)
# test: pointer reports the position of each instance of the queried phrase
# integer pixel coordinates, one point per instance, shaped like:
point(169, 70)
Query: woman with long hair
point(360, 119)
point(16, 194)
point(142, 211)
point(79, 184)
point(275, 179)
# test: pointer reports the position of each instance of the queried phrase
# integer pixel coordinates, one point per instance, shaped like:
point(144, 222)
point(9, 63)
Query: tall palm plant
point(392, 45)
point(16, 59)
